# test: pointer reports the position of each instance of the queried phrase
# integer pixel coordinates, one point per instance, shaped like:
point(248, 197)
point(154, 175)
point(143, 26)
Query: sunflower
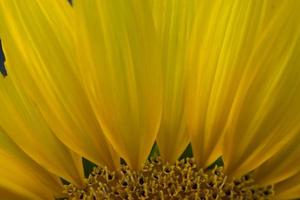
point(106, 83)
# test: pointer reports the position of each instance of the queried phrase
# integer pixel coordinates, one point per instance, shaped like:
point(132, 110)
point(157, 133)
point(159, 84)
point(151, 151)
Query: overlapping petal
point(38, 39)
point(289, 188)
point(243, 81)
point(174, 20)
point(205, 109)
point(118, 60)
point(283, 165)
point(283, 169)
point(21, 177)
point(226, 73)
point(285, 162)
point(264, 112)
point(22, 121)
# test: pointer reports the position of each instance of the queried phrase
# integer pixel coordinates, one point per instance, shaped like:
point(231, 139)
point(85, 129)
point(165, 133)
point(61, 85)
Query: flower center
point(158, 180)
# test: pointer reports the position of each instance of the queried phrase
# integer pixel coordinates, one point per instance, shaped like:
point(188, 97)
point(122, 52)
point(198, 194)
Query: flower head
point(104, 80)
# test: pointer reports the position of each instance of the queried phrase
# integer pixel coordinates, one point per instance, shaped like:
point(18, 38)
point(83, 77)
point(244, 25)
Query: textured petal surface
point(22, 122)
point(39, 45)
point(205, 108)
point(283, 169)
point(242, 81)
point(173, 20)
point(21, 177)
point(289, 188)
point(264, 114)
point(285, 163)
point(119, 62)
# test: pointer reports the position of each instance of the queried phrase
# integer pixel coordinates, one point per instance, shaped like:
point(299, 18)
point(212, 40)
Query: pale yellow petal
point(22, 177)
point(289, 188)
point(38, 40)
point(118, 60)
point(174, 20)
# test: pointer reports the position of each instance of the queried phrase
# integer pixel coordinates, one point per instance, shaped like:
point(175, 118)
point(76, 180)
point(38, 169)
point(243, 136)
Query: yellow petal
point(22, 177)
point(284, 164)
point(264, 111)
point(289, 188)
point(118, 59)
point(38, 39)
point(206, 111)
point(25, 125)
point(173, 21)
point(8, 194)
point(241, 82)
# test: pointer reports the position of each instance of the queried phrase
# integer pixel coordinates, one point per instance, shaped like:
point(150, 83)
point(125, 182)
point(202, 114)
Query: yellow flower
point(105, 79)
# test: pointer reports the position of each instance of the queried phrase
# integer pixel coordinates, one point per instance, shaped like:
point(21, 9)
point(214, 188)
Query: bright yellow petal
point(39, 45)
point(241, 82)
point(22, 177)
point(206, 110)
point(118, 55)
point(22, 122)
point(289, 188)
point(264, 112)
point(173, 21)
